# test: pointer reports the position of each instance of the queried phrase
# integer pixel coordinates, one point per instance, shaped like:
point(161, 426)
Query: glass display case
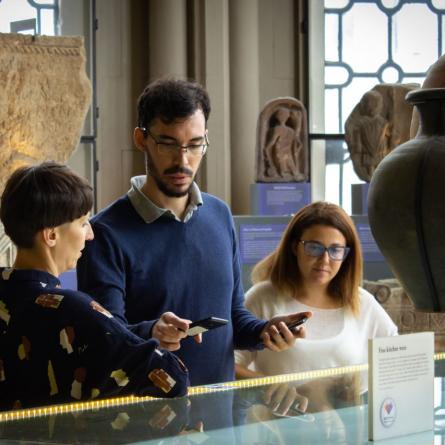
point(319, 407)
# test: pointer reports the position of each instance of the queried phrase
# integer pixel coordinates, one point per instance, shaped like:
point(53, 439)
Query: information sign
point(401, 385)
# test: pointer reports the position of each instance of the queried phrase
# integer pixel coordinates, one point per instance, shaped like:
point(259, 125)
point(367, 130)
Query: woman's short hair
point(281, 266)
point(42, 196)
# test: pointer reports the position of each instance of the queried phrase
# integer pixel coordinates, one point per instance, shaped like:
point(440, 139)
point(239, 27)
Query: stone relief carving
point(44, 99)
point(390, 294)
point(282, 147)
point(378, 123)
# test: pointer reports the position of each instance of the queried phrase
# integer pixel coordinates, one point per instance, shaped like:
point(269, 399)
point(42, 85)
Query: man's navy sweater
point(140, 270)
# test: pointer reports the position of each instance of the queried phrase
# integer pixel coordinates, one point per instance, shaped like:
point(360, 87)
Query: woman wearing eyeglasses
point(317, 267)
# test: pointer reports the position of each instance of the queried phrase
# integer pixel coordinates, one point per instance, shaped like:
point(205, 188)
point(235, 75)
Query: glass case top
point(321, 407)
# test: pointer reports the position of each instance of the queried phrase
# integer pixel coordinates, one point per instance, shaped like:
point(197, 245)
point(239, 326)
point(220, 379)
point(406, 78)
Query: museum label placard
point(401, 385)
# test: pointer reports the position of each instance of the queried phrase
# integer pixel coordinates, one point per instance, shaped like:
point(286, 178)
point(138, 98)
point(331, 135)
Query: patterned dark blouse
point(59, 345)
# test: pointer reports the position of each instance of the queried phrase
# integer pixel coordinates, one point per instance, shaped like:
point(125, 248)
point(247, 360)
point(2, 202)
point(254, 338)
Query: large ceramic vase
point(406, 205)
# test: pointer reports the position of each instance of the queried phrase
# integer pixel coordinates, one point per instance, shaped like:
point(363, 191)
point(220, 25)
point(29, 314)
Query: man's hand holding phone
point(282, 330)
point(200, 326)
point(170, 329)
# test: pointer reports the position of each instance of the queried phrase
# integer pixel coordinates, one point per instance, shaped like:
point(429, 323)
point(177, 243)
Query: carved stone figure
point(378, 123)
point(282, 142)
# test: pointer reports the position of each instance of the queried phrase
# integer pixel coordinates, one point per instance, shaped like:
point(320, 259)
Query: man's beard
point(162, 186)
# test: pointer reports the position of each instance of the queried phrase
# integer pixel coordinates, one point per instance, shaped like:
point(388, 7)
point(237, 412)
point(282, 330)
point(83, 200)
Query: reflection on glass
point(415, 39)
point(365, 38)
point(323, 409)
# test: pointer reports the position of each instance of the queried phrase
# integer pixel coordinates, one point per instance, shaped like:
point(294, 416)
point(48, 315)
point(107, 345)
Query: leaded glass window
point(369, 42)
point(29, 16)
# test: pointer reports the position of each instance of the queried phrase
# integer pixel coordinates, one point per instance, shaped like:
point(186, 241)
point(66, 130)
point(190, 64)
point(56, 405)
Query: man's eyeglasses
point(316, 249)
point(171, 150)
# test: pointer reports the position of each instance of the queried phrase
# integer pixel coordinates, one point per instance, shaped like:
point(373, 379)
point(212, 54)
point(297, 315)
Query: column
point(244, 98)
point(168, 38)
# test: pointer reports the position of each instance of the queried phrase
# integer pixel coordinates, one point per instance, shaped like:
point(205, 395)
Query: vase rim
point(425, 94)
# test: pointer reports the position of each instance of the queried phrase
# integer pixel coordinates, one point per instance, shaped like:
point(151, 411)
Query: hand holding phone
point(299, 322)
point(197, 327)
point(276, 337)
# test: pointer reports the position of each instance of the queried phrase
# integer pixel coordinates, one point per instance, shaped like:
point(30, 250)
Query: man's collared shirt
point(150, 212)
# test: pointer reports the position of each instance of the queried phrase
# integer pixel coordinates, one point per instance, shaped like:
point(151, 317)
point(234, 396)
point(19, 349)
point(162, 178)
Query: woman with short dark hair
point(316, 267)
point(59, 345)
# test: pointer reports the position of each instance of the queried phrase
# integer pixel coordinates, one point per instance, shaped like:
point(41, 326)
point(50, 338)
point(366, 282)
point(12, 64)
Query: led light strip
point(249, 383)
point(196, 390)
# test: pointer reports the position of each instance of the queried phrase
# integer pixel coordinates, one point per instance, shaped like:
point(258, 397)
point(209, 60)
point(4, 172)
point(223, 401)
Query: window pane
point(336, 75)
point(390, 3)
point(336, 3)
point(340, 175)
point(47, 22)
point(331, 37)
point(22, 17)
point(416, 80)
point(15, 11)
point(349, 178)
point(365, 38)
point(331, 111)
point(439, 4)
point(353, 94)
point(368, 42)
point(414, 46)
point(332, 180)
point(391, 75)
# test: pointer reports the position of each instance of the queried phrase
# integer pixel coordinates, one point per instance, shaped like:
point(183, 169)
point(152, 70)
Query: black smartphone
point(296, 323)
point(205, 324)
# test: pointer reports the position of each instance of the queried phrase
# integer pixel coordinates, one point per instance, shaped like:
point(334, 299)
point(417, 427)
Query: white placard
point(401, 385)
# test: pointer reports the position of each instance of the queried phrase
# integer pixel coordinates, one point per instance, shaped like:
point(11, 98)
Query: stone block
point(44, 99)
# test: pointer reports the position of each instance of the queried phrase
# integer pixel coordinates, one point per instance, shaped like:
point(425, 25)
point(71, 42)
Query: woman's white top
point(334, 337)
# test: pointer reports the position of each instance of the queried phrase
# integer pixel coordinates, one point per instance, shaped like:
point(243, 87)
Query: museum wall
point(245, 53)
